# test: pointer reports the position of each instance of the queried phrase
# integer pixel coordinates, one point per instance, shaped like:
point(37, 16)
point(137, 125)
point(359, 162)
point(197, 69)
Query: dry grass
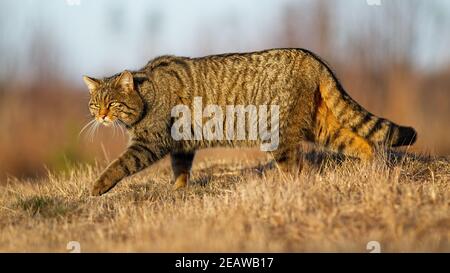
point(233, 206)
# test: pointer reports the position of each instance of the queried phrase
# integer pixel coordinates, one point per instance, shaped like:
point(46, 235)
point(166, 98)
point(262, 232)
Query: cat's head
point(114, 99)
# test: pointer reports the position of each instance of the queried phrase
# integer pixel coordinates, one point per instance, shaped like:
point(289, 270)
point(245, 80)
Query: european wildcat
point(313, 106)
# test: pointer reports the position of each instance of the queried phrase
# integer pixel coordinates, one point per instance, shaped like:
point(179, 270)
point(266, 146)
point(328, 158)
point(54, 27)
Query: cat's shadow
point(313, 160)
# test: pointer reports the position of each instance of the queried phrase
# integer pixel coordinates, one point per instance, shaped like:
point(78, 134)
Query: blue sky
point(100, 37)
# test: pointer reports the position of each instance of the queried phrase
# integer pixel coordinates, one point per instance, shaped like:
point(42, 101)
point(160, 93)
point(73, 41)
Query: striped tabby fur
point(313, 107)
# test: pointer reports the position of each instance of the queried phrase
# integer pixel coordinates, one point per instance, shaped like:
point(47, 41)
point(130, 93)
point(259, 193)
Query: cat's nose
point(103, 113)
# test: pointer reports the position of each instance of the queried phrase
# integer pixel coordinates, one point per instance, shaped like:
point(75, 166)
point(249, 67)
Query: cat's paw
point(181, 181)
point(98, 189)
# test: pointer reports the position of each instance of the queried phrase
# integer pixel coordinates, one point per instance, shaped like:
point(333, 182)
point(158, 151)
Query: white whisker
point(114, 128)
point(120, 125)
point(89, 124)
point(92, 130)
point(122, 130)
point(97, 125)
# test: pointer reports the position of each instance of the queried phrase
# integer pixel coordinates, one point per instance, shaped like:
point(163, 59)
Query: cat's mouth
point(105, 121)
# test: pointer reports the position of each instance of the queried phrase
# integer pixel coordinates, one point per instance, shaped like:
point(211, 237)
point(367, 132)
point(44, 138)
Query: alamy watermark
point(374, 247)
point(239, 122)
point(74, 247)
point(73, 2)
point(373, 2)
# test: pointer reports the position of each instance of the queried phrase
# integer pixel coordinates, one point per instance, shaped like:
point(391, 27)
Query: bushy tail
point(354, 116)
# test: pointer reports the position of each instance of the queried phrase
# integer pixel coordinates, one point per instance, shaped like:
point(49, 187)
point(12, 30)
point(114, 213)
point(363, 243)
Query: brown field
point(46, 171)
point(233, 204)
point(238, 200)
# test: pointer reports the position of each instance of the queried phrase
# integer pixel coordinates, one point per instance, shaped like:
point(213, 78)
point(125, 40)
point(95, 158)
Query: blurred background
point(393, 57)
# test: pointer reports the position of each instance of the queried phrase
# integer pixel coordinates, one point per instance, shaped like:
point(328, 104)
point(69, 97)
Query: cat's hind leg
point(331, 134)
point(181, 167)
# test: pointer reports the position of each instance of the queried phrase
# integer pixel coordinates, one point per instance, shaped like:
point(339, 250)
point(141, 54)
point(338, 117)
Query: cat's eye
point(94, 105)
point(114, 104)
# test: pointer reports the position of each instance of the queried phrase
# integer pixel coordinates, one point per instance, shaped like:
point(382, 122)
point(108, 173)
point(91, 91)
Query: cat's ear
point(91, 83)
point(125, 81)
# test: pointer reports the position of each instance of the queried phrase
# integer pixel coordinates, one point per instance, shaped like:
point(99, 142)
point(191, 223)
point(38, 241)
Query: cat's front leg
point(137, 157)
point(109, 178)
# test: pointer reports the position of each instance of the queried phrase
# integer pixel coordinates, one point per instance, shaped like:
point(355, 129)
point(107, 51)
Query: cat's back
point(265, 60)
point(274, 76)
point(281, 61)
